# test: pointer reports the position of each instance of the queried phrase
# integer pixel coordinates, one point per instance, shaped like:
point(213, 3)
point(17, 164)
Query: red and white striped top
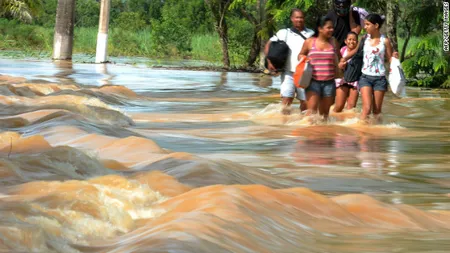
point(322, 62)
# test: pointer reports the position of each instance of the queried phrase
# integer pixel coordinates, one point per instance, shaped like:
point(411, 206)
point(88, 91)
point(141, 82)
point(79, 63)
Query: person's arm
point(351, 52)
point(305, 48)
point(394, 53)
point(355, 22)
point(337, 49)
point(387, 43)
point(266, 48)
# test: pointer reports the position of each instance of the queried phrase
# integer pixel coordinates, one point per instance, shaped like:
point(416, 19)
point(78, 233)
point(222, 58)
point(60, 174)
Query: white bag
point(397, 80)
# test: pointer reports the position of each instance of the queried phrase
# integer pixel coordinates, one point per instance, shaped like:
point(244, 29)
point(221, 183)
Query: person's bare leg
point(341, 97)
point(312, 101)
point(324, 108)
point(286, 105)
point(352, 99)
point(303, 105)
point(377, 104)
point(366, 96)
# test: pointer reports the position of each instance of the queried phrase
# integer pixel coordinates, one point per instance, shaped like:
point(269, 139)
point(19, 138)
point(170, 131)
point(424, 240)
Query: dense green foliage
point(188, 29)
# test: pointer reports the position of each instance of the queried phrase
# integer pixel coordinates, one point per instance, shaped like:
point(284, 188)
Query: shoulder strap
point(363, 41)
point(303, 36)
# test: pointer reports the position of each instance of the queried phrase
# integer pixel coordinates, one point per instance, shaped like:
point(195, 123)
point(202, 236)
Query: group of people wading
point(329, 47)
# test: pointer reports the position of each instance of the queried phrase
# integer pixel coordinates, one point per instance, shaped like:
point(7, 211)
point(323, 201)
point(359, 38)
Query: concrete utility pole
point(63, 38)
point(102, 37)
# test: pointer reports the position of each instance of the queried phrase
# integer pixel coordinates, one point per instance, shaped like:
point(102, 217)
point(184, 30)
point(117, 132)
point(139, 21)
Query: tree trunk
point(257, 23)
point(391, 22)
point(63, 38)
point(267, 23)
point(219, 8)
point(405, 45)
point(223, 35)
point(254, 50)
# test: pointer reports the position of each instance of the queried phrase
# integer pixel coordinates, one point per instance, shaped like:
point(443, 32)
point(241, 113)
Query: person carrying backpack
point(294, 38)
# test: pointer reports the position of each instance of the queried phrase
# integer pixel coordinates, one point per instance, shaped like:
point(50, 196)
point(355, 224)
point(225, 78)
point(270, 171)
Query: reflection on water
point(119, 158)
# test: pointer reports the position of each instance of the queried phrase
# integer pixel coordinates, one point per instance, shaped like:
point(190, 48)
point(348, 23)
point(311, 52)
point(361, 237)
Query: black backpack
point(278, 53)
point(353, 71)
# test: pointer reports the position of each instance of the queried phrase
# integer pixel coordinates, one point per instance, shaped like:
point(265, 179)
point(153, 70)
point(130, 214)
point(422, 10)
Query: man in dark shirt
point(345, 20)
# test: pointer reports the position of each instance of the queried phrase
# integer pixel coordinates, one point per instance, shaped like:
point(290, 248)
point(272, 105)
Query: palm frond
point(17, 9)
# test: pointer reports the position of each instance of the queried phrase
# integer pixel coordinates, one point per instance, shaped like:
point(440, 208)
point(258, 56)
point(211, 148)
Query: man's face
point(342, 8)
point(298, 19)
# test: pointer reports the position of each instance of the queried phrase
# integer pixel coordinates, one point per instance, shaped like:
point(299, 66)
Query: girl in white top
point(373, 84)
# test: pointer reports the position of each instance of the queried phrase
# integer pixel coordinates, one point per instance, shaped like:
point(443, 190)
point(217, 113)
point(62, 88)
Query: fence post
point(102, 37)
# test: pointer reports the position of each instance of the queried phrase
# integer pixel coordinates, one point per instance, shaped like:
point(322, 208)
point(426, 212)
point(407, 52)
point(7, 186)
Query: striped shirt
point(322, 62)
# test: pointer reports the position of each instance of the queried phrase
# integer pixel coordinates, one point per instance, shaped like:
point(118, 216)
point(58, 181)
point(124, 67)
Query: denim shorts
point(323, 88)
point(378, 83)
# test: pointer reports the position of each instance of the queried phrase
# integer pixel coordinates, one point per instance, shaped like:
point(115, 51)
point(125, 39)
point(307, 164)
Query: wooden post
point(63, 38)
point(102, 37)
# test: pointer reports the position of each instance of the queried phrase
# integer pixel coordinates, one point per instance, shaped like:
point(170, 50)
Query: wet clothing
point(378, 83)
point(322, 62)
point(294, 39)
point(288, 89)
point(323, 88)
point(373, 59)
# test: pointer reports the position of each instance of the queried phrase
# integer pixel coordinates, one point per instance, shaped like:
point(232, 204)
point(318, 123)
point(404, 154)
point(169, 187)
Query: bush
point(240, 35)
point(171, 36)
point(87, 13)
point(130, 21)
point(437, 81)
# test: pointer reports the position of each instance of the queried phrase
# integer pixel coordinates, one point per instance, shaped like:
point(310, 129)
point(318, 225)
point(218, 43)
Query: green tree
point(179, 21)
point(47, 16)
point(416, 21)
point(427, 56)
point(254, 12)
point(87, 13)
point(23, 10)
point(130, 21)
point(219, 10)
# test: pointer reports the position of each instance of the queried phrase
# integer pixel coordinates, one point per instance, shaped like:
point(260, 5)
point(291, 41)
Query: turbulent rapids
point(136, 160)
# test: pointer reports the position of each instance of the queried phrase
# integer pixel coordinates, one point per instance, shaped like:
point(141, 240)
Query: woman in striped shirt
point(323, 52)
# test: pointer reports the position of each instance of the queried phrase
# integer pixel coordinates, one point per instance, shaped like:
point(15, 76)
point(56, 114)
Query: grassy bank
point(38, 41)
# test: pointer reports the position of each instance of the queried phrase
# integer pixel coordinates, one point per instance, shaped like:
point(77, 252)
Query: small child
point(347, 92)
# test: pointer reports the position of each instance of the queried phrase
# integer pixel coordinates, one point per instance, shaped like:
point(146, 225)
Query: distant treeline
point(228, 31)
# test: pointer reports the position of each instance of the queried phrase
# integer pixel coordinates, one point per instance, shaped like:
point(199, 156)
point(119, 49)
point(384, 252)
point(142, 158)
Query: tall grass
point(32, 39)
point(206, 47)
point(15, 36)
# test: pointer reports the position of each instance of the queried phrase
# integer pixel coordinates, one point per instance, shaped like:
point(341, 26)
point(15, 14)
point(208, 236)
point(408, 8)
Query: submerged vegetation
point(190, 30)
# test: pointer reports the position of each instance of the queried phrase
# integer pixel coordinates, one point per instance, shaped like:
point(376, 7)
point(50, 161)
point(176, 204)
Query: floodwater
point(120, 158)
